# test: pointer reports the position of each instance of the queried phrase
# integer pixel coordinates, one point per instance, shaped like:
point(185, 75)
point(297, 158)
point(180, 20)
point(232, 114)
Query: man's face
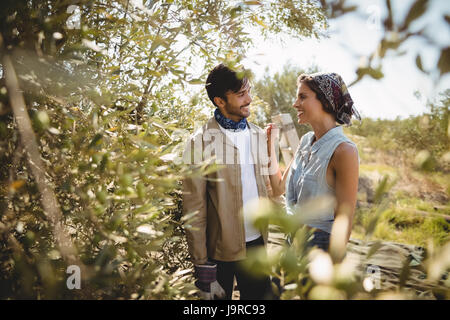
point(237, 105)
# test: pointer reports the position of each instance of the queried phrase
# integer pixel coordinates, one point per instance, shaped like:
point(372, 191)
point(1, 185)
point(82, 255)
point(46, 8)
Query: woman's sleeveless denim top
point(307, 176)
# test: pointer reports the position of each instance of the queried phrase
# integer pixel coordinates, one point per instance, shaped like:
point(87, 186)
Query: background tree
point(280, 90)
point(107, 86)
point(397, 30)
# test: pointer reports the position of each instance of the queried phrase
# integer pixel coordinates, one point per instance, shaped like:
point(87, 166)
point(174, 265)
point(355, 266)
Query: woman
point(326, 162)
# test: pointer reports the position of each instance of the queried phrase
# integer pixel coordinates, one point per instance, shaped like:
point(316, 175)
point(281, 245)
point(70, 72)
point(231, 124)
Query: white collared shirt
point(241, 139)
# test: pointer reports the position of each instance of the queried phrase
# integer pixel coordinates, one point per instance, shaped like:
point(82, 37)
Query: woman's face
point(309, 108)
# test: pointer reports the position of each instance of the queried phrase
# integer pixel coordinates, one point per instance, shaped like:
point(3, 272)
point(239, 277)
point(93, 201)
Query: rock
point(365, 187)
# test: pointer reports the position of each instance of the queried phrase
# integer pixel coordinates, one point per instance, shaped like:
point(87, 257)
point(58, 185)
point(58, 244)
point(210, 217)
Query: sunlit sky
point(354, 36)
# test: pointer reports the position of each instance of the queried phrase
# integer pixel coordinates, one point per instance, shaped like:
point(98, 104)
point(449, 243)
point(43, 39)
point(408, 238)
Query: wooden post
point(289, 139)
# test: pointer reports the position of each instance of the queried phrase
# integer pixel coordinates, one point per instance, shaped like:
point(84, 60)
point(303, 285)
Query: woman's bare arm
point(278, 181)
point(346, 168)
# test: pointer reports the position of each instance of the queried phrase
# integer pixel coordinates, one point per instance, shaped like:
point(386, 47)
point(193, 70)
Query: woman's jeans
point(321, 239)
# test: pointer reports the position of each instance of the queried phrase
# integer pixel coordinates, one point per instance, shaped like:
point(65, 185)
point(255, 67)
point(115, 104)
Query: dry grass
point(419, 200)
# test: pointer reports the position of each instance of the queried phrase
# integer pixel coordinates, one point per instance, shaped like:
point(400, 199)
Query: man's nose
point(249, 99)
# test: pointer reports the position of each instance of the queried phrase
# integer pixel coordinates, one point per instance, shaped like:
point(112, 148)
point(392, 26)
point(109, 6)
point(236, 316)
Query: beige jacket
point(217, 230)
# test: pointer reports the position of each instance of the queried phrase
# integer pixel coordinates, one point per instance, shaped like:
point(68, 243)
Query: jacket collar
point(213, 124)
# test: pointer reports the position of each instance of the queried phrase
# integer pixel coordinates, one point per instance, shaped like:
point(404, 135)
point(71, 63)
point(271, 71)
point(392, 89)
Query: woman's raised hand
point(270, 144)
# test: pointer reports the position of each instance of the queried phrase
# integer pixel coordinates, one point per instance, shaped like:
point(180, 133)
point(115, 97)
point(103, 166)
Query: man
point(222, 232)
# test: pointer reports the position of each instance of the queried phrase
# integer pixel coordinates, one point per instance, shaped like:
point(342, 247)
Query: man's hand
point(215, 290)
point(207, 283)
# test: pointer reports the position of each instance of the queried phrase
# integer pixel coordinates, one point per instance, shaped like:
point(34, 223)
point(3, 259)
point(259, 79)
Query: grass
point(414, 194)
point(379, 169)
point(415, 200)
point(441, 179)
point(403, 226)
point(401, 223)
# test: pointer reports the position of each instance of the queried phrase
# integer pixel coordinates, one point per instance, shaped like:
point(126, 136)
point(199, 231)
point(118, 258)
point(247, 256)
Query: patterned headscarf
point(336, 93)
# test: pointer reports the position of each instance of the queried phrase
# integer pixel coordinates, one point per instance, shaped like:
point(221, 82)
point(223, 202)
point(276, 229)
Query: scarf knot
point(228, 123)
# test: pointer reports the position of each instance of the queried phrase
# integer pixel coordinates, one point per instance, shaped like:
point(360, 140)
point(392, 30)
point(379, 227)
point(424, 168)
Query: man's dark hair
point(221, 80)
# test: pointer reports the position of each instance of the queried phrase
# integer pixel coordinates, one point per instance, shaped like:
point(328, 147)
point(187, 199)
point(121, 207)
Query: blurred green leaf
point(444, 61)
point(382, 189)
point(373, 249)
point(419, 63)
point(96, 141)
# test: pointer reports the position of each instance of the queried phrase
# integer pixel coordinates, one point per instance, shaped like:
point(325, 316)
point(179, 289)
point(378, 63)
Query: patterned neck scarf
point(336, 93)
point(228, 123)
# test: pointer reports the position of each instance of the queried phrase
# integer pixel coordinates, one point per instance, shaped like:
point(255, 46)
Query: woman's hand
point(276, 179)
point(270, 144)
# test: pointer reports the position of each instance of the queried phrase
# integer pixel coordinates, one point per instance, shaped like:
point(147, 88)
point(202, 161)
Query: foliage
point(293, 265)
point(397, 30)
point(279, 91)
point(424, 137)
point(301, 272)
point(109, 87)
point(404, 224)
